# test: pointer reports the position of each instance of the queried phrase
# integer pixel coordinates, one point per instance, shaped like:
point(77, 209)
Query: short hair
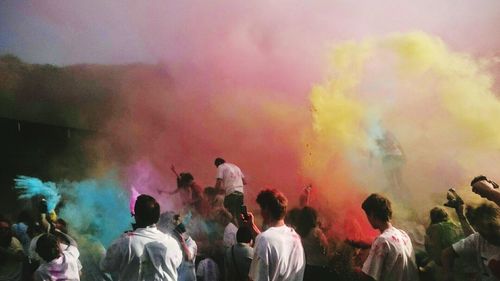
point(146, 210)
point(485, 213)
point(47, 247)
point(378, 206)
point(218, 161)
point(438, 214)
point(273, 201)
point(308, 219)
point(478, 179)
point(244, 235)
point(184, 179)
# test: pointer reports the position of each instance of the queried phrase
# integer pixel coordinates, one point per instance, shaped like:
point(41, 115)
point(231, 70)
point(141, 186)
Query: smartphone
point(244, 212)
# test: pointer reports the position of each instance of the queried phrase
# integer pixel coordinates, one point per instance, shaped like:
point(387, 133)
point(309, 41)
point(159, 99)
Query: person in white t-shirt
point(278, 252)
point(59, 263)
point(391, 255)
point(482, 246)
point(231, 180)
point(146, 253)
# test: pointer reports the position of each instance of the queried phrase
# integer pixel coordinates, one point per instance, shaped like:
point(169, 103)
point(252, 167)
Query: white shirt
point(391, 257)
point(144, 254)
point(486, 255)
point(66, 267)
point(208, 270)
point(229, 238)
point(231, 176)
point(278, 256)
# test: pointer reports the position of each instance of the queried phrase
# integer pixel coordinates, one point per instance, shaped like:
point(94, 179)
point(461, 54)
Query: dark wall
point(48, 152)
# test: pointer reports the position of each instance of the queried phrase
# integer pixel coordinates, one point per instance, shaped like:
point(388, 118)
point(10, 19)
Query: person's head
point(5, 232)
point(185, 179)
point(486, 220)
point(272, 204)
point(146, 211)
point(210, 192)
point(244, 235)
point(219, 161)
point(308, 220)
point(47, 247)
point(438, 214)
point(292, 217)
point(378, 209)
point(482, 185)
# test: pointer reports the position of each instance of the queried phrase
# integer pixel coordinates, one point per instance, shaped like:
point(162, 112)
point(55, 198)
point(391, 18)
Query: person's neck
point(276, 223)
point(384, 226)
point(143, 225)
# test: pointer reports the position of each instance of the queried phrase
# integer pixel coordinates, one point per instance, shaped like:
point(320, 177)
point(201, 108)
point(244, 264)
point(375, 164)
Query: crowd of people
point(219, 239)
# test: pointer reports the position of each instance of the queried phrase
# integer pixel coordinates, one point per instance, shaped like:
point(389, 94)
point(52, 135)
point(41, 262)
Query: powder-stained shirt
point(66, 267)
point(391, 257)
point(208, 270)
point(231, 176)
point(278, 256)
point(486, 255)
point(144, 254)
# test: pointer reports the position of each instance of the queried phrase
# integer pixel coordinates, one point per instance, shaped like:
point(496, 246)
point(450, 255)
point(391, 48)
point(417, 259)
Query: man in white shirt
point(60, 262)
point(231, 180)
point(146, 253)
point(278, 252)
point(391, 256)
point(482, 246)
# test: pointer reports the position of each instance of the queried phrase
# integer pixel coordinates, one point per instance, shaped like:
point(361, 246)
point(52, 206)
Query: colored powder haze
point(294, 93)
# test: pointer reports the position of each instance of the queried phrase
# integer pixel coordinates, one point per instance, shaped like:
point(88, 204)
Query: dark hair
point(180, 228)
point(378, 206)
point(210, 191)
point(478, 179)
point(308, 219)
point(244, 235)
point(292, 217)
point(147, 211)
point(184, 179)
point(47, 247)
point(485, 212)
point(218, 161)
point(273, 201)
point(438, 215)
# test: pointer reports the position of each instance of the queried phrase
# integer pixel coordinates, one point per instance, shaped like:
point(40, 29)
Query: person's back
point(232, 177)
point(279, 255)
point(60, 261)
point(146, 253)
point(391, 257)
point(239, 256)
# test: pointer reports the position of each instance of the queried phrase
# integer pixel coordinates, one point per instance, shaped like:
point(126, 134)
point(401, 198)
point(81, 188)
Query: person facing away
point(239, 256)
point(58, 263)
point(441, 234)
point(278, 252)
point(482, 246)
point(391, 256)
point(145, 253)
point(231, 180)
